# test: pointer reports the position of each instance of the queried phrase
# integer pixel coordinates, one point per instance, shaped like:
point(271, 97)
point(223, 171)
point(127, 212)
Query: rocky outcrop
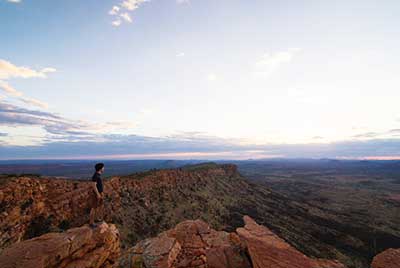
point(268, 250)
point(194, 244)
point(77, 248)
point(189, 244)
point(30, 207)
point(390, 258)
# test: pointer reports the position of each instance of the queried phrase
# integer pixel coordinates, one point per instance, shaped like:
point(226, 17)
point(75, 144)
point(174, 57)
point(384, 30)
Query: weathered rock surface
point(189, 244)
point(268, 250)
point(30, 207)
point(388, 259)
point(194, 244)
point(77, 248)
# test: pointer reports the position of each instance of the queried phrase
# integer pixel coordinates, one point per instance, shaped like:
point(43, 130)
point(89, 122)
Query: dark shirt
point(99, 183)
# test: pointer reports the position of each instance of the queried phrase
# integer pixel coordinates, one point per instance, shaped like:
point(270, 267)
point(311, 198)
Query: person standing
point(96, 195)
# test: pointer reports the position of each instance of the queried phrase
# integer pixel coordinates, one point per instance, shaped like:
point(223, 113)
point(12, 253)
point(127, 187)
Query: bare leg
point(92, 216)
point(99, 213)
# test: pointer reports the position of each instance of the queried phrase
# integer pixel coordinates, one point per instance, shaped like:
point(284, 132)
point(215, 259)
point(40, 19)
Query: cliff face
point(30, 207)
point(78, 248)
point(141, 204)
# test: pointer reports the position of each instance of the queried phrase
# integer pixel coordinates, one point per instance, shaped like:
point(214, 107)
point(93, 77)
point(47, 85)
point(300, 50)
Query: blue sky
point(199, 79)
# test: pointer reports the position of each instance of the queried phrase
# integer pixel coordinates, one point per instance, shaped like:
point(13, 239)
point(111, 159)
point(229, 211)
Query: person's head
point(99, 167)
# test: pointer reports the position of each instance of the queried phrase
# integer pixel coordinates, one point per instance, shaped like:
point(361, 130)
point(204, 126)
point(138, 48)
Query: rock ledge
point(78, 248)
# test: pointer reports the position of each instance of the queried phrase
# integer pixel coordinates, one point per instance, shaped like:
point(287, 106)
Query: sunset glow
point(199, 79)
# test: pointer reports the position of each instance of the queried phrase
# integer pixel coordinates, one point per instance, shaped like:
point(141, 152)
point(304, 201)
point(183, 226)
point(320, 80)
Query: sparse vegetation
point(64, 225)
point(201, 166)
point(26, 204)
point(38, 226)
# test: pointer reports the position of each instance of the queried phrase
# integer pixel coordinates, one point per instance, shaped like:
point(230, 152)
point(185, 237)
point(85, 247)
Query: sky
point(199, 79)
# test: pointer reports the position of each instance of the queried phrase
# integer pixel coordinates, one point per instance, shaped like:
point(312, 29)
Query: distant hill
point(83, 169)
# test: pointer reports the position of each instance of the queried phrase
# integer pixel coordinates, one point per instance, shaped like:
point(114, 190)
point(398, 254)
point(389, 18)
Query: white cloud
point(181, 54)
point(121, 11)
point(126, 17)
point(48, 70)
point(34, 102)
point(114, 10)
point(58, 127)
point(270, 62)
point(9, 89)
point(132, 4)
point(116, 22)
point(9, 70)
point(14, 1)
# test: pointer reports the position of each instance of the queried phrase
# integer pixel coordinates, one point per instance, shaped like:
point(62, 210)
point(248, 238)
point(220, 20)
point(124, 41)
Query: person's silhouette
point(96, 195)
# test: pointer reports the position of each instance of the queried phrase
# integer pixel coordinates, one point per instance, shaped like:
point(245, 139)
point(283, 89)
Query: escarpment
point(145, 204)
point(140, 204)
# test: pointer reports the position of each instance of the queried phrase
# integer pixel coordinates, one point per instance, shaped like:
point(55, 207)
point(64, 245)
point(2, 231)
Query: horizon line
point(367, 158)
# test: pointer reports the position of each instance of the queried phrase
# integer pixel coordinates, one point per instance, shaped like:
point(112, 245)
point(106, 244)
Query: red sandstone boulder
point(269, 251)
point(194, 244)
point(388, 259)
point(79, 248)
point(160, 251)
point(189, 244)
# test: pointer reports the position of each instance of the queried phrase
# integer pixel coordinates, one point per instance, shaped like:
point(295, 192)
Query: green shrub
point(64, 225)
point(38, 226)
point(26, 204)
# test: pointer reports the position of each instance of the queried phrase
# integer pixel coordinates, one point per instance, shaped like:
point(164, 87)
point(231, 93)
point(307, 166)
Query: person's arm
point(95, 189)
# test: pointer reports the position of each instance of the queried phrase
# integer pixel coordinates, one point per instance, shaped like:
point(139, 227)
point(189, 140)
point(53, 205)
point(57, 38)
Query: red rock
point(188, 233)
point(388, 259)
point(269, 251)
point(161, 251)
point(194, 244)
point(226, 256)
point(190, 244)
point(80, 248)
point(63, 202)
